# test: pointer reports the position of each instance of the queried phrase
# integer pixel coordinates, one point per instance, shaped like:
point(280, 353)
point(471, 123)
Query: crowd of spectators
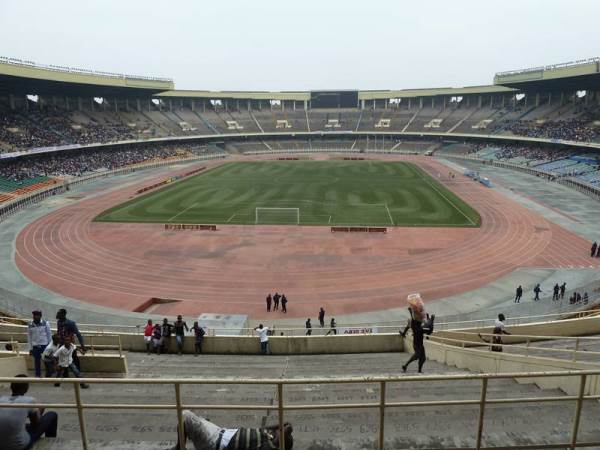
point(36, 128)
point(79, 162)
point(569, 130)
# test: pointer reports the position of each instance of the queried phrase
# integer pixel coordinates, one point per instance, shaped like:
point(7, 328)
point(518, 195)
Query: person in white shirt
point(38, 337)
point(48, 356)
point(263, 334)
point(64, 354)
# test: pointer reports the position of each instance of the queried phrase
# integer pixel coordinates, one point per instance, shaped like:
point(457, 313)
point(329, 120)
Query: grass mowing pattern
point(374, 193)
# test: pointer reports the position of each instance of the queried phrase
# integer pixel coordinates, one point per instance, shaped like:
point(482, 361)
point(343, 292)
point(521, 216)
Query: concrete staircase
point(351, 429)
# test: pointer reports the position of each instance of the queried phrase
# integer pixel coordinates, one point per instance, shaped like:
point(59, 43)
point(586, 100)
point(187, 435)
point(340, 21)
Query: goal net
point(277, 216)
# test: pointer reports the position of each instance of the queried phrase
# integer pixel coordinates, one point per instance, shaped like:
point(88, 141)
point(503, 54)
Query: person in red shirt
point(148, 329)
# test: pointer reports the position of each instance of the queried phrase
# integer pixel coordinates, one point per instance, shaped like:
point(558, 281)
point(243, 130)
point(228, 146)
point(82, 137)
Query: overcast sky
point(302, 44)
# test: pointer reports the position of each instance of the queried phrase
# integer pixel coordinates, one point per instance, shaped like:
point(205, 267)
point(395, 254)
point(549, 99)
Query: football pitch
point(354, 193)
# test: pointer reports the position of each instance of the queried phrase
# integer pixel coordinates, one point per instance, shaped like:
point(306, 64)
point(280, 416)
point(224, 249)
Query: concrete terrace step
point(406, 427)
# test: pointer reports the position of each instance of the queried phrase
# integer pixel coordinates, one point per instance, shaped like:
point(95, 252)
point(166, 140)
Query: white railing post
point(81, 417)
point(381, 441)
point(484, 383)
point(578, 406)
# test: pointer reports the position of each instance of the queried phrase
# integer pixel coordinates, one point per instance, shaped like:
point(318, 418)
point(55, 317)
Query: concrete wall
point(495, 362)
point(243, 345)
point(11, 365)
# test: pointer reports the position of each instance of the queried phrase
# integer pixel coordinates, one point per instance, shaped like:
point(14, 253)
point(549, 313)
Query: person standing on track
point(269, 301)
point(594, 249)
point(322, 317)
point(556, 292)
point(563, 288)
point(284, 301)
point(148, 330)
point(276, 298)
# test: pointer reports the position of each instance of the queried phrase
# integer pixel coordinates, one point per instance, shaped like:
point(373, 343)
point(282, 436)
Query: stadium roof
point(576, 75)
point(24, 77)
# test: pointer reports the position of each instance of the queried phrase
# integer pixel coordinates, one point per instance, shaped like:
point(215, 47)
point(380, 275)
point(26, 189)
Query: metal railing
point(352, 328)
point(463, 343)
point(16, 339)
point(281, 406)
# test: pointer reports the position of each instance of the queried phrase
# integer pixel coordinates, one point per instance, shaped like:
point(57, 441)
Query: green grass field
point(374, 193)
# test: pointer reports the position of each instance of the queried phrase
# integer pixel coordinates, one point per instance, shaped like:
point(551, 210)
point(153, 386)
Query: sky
point(279, 45)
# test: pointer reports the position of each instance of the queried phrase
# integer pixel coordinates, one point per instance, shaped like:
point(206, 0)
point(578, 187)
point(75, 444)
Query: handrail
point(93, 347)
point(282, 405)
point(527, 347)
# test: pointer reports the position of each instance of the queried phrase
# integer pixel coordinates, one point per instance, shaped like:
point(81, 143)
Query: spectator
point(67, 331)
point(157, 339)
point(263, 333)
point(206, 435)
point(64, 355)
point(419, 329)
point(179, 327)
point(199, 337)
point(48, 357)
point(536, 290)
point(38, 338)
point(148, 330)
point(518, 294)
point(166, 331)
point(332, 327)
point(15, 432)
point(499, 330)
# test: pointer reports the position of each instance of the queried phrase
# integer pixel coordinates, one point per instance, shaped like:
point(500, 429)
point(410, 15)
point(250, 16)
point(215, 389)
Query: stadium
point(124, 199)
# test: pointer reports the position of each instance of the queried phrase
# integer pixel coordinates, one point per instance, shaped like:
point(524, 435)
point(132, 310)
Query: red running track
point(231, 270)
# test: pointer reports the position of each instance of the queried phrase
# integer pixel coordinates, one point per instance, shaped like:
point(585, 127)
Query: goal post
point(276, 216)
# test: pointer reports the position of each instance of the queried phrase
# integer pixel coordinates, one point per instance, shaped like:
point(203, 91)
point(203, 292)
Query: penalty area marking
point(180, 213)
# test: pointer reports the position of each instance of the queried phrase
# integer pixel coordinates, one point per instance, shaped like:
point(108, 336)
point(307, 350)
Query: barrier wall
point(11, 365)
point(245, 345)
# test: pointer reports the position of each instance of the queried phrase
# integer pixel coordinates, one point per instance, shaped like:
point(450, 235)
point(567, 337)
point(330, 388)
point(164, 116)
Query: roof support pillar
point(282, 105)
point(421, 102)
point(116, 104)
point(193, 105)
point(479, 101)
point(138, 106)
point(537, 99)
point(491, 101)
point(444, 102)
point(432, 102)
point(11, 101)
point(249, 105)
point(305, 105)
point(409, 103)
point(170, 105)
point(67, 104)
point(502, 101)
point(362, 104)
point(127, 104)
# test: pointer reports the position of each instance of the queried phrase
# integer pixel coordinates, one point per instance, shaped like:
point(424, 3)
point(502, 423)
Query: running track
point(232, 270)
